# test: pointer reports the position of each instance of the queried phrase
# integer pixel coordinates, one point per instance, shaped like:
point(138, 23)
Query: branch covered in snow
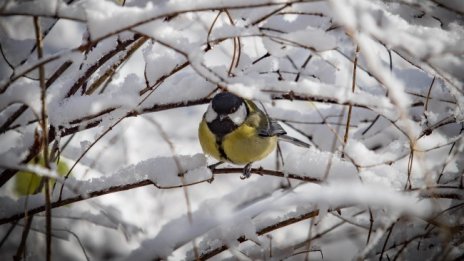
point(104, 99)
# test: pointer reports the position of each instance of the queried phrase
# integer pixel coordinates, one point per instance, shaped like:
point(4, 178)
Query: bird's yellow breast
point(241, 146)
point(208, 141)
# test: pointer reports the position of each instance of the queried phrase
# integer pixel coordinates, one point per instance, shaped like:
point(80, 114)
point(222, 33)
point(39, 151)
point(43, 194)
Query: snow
point(141, 187)
point(25, 92)
point(106, 17)
point(313, 163)
point(313, 38)
point(77, 107)
point(228, 225)
point(365, 157)
point(52, 8)
point(154, 59)
point(163, 172)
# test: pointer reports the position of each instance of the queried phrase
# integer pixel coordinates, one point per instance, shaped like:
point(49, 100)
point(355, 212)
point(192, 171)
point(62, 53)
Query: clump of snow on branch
point(127, 83)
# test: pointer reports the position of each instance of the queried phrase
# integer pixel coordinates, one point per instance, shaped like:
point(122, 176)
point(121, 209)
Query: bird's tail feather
point(294, 141)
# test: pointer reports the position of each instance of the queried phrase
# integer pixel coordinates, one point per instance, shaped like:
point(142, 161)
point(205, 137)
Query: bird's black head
point(225, 113)
point(226, 103)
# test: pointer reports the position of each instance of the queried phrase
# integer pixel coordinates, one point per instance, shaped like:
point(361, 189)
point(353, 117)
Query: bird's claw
point(246, 171)
point(213, 166)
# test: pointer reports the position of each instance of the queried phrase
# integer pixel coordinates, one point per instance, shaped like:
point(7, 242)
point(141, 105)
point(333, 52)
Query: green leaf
point(28, 183)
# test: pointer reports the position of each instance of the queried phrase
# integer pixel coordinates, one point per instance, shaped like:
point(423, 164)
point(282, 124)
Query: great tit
point(235, 130)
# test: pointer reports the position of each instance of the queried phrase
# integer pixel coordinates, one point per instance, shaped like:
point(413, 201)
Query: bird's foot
point(246, 171)
point(212, 167)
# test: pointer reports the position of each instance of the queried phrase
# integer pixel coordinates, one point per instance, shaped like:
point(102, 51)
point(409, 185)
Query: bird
point(235, 130)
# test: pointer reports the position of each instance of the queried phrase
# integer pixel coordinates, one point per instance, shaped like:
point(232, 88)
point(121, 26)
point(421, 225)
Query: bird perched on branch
point(235, 130)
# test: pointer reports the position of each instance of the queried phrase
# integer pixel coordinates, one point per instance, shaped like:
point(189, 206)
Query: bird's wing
point(271, 128)
point(294, 141)
point(265, 126)
point(274, 129)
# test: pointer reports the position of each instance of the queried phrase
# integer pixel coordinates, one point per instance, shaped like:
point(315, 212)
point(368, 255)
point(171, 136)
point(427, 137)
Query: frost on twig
point(376, 88)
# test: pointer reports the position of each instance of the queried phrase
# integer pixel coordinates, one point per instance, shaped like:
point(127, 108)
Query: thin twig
point(108, 73)
point(428, 95)
point(353, 86)
point(386, 241)
point(408, 184)
point(87, 150)
point(166, 138)
point(236, 53)
point(303, 66)
point(8, 232)
point(22, 245)
point(23, 108)
point(371, 225)
point(78, 241)
point(164, 77)
point(309, 241)
point(215, 251)
point(93, 68)
point(208, 44)
point(277, 10)
point(43, 98)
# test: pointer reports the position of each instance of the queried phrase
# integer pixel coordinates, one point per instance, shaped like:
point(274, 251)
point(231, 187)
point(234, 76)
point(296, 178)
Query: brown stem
point(86, 75)
point(213, 252)
point(353, 86)
point(24, 235)
point(23, 108)
point(142, 183)
point(108, 73)
point(43, 121)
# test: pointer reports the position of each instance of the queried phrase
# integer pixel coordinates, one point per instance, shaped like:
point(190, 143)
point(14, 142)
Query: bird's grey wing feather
point(272, 129)
point(294, 141)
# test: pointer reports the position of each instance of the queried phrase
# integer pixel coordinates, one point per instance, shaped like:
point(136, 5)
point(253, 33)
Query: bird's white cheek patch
point(238, 117)
point(211, 115)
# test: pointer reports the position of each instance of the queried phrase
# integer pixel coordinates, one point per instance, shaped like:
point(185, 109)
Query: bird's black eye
point(226, 103)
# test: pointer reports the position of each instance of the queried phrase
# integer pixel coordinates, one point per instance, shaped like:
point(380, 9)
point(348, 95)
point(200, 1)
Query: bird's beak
point(221, 117)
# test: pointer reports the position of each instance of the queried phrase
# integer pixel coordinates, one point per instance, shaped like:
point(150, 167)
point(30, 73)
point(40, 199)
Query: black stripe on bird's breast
point(221, 127)
point(220, 148)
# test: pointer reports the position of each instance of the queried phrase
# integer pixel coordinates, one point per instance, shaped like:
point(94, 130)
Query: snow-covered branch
point(103, 104)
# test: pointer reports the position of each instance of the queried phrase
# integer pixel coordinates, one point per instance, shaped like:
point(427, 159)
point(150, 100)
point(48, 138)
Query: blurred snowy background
point(376, 87)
